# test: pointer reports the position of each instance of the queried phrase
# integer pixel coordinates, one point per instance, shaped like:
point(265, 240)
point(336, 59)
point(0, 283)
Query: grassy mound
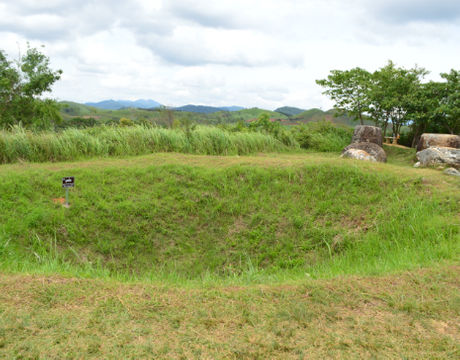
point(189, 216)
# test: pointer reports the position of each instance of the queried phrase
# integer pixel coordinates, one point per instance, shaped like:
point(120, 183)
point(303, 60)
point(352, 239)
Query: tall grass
point(20, 144)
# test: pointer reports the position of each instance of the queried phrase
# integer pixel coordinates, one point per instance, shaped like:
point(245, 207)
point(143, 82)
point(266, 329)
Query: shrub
point(126, 122)
point(322, 136)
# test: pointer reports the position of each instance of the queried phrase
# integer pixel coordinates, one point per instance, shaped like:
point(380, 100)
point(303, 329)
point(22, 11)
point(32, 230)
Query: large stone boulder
point(439, 156)
point(372, 149)
point(452, 171)
point(366, 133)
point(358, 155)
point(438, 140)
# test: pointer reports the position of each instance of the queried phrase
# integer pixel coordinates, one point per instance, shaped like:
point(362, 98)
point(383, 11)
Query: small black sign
point(68, 182)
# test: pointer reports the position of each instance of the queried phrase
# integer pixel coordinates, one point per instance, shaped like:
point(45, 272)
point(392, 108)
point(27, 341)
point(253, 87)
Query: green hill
point(69, 109)
point(330, 115)
point(254, 113)
point(289, 110)
point(309, 116)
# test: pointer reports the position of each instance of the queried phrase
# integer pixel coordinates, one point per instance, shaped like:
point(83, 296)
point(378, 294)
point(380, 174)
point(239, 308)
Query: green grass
point(255, 219)
point(275, 256)
point(72, 144)
point(400, 156)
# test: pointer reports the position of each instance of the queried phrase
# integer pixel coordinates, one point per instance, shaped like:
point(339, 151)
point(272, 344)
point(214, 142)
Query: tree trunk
point(419, 130)
point(385, 126)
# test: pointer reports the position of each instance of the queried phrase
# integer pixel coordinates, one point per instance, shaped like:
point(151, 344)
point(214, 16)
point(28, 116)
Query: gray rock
point(435, 156)
point(452, 171)
point(358, 155)
point(372, 149)
point(438, 140)
point(417, 164)
point(367, 133)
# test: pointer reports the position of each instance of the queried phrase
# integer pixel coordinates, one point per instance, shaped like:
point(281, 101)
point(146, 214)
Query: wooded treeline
point(393, 97)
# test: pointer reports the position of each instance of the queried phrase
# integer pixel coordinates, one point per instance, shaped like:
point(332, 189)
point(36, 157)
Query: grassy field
point(241, 257)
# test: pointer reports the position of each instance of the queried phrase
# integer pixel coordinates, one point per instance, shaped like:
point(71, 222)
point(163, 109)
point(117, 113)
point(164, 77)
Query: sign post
point(67, 182)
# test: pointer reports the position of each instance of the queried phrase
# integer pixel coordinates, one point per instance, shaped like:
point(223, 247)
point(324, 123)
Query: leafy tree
point(403, 88)
point(449, 107)
point(423, 110)
point(22, 83)
point(392, 94)
point(350, 90)
point(380, 96)
point(263, 123)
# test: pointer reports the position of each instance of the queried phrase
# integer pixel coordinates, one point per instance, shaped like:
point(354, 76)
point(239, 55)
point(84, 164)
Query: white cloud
point(240, 52)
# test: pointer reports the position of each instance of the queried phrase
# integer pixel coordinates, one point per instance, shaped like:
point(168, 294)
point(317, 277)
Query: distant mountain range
point(211, 114)
point(199, 114)
point(152, 104)
point(120, 104)
point(203, 109)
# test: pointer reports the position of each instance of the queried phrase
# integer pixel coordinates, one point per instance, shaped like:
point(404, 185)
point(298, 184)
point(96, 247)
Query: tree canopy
point(449, 107)
point(349, 89)
point(398, 97)
point(22, 83)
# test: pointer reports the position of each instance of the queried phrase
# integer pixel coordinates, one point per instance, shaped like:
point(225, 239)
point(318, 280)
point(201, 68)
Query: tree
point(403, 88)
point(392, 95)
point(380, 95)
point(22, 84)
point(167, 115)
point(423, 109)
point(350, 90)
point(449, 107)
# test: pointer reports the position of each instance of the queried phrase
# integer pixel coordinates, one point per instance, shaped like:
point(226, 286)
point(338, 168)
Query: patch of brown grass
point(410, 315)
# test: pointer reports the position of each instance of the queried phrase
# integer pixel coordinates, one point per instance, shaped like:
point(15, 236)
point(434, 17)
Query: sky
point(250, 53)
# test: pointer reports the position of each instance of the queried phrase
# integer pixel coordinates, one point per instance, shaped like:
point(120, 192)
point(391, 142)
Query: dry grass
point(415, 315)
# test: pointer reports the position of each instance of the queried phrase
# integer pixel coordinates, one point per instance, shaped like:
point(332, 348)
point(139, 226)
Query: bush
point(322, 136)
point(266, 126)
point(126, 122)
point(77, 122)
